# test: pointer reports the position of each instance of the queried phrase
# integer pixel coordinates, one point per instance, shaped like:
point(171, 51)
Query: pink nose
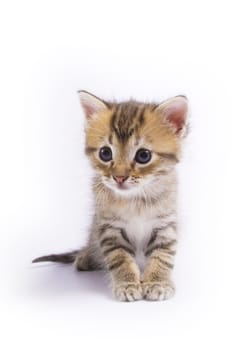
point(120, 179)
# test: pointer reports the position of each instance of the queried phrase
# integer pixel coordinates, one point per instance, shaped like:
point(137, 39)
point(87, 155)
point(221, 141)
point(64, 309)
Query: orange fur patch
point(154, 133)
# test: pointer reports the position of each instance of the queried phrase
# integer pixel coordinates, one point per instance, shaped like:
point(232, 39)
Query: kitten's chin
point(124, 190)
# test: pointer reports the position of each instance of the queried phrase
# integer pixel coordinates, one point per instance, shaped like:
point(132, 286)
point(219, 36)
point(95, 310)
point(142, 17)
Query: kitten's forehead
point(127, 119)
point(125, 150)
point(125, 125)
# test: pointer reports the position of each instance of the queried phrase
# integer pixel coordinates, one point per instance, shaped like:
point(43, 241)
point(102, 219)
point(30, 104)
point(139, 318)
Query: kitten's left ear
point(91, 104)
point(175, 111)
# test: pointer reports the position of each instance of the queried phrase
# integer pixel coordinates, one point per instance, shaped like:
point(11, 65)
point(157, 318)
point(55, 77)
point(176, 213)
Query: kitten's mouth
point(122, 186)
point(125, 187)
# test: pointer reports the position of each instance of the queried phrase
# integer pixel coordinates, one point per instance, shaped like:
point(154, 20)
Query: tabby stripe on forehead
point(124, 120)
point(141, 116)
point(113, 121)
point(118, 114)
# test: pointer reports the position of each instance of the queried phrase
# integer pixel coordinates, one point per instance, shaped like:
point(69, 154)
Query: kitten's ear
point(175, 111)
point(91, 104)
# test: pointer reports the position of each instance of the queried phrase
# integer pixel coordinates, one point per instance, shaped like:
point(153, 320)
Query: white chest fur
point(139, 232)
point(139, 223)
point(139, 229)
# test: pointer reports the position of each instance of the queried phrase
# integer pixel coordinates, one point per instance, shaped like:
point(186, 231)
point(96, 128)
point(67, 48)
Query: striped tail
point(64, 258)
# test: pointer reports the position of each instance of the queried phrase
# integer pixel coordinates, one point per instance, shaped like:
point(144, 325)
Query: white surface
point(148, 50)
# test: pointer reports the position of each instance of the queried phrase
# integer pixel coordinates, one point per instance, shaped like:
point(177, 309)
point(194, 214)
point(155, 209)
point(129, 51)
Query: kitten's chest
point(139, 228)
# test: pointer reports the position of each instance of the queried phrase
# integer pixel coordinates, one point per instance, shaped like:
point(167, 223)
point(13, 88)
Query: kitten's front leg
point(119, 260)
point(156, 280)
point(125, 275)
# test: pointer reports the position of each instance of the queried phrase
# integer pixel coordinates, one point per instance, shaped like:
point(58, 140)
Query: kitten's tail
point(64, 258)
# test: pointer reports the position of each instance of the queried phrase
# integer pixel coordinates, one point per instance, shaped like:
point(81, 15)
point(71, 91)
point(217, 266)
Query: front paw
point(128, 291)
point(158, 290)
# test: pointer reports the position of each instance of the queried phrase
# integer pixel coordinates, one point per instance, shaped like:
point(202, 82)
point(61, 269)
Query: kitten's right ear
point(91, 104)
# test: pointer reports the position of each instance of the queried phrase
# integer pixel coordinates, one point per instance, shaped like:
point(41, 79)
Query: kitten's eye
point(143, 156)
point(105, 154)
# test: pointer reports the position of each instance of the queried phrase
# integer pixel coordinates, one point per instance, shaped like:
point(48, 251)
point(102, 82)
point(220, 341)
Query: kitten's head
point(131, 144)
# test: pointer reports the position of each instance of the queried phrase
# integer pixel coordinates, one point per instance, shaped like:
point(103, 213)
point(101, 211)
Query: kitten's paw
point(128, 291)
point(159, 290)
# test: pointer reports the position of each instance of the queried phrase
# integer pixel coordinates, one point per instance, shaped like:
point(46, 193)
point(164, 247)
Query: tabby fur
point(133, 234)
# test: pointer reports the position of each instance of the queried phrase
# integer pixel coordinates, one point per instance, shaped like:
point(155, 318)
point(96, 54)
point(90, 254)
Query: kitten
point(133, 148)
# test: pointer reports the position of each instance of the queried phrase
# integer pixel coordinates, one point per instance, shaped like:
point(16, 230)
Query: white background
point(150, 50)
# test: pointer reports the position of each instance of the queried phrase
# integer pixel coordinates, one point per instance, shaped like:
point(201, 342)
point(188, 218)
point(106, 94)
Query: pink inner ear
point(89, 110)
point(176, 114)
point(177, 119)
point(91, 104)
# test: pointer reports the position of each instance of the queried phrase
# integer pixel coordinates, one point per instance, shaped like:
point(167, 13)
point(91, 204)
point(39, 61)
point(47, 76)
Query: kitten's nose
point(120, 179)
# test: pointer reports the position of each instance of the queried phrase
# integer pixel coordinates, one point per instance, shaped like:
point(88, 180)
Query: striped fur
point(134, 229)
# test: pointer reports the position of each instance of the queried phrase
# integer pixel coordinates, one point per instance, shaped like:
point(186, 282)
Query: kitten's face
point(131, 144)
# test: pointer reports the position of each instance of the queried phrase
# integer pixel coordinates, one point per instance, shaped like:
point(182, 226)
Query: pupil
point(144, 155)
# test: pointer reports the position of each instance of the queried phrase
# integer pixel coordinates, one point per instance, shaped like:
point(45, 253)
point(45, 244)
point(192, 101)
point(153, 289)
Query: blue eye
point(105, 154)
point(143, 156)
